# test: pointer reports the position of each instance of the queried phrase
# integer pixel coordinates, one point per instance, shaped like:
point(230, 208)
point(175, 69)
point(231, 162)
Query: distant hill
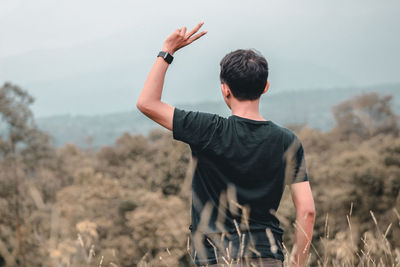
point(312, 107)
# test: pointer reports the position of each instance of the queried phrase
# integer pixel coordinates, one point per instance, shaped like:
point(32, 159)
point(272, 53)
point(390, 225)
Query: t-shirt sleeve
point(301, 170)
point(296, 170)
point(195, 128)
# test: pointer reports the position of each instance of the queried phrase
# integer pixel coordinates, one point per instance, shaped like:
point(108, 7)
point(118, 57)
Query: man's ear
point(226, 91)
point(266, 87)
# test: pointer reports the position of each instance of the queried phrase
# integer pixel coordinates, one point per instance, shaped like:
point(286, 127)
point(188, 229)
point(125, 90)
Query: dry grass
point(371, 249)
point(346, 249)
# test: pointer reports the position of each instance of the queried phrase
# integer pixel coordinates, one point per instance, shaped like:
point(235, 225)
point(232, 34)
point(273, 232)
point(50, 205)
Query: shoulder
point(288, 135)
point(195, 127)
point(187, 117)
point(182, 114)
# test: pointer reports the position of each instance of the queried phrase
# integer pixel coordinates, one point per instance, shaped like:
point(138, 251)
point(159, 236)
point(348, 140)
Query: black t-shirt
point(241, 171)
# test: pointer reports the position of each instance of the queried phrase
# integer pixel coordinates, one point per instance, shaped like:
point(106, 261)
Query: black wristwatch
point(166, 56)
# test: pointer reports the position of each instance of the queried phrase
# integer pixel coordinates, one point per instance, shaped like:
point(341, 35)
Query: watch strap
point(166, 56)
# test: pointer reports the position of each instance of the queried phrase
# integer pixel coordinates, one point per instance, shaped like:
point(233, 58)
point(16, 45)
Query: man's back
point(241, 165)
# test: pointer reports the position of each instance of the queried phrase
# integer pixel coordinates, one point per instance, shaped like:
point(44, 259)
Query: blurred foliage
point(365, 116)
point(129, 204)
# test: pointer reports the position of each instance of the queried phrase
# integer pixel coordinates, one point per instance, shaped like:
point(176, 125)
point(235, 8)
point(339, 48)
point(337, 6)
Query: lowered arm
point(305, 218)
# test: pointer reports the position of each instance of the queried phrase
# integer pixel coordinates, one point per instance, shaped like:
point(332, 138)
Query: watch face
point(169, 58)
point(166, 56)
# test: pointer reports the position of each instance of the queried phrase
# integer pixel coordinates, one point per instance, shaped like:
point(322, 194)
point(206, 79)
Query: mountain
point(104, 75)
point(312, 107)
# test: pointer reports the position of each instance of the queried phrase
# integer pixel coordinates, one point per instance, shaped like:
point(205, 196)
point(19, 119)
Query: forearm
point(152, 89)
point(303, 236)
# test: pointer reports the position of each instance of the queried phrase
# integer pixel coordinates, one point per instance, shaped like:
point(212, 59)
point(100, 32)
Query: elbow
point(139, 105)
point(146, 107)
point(142, 106)
point(307, 214)
point(311, 215)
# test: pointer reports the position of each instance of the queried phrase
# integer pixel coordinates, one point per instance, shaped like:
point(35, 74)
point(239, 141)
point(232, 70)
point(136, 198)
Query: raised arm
point(305, 217)
point(149, 102)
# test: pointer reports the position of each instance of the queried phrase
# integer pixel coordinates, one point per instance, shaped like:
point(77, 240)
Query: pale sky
point(92, 57)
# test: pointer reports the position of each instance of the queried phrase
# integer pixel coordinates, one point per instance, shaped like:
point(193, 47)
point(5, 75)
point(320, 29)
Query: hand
point(180, 38)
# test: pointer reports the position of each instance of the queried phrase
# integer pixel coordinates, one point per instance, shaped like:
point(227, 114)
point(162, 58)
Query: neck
point(248, 109)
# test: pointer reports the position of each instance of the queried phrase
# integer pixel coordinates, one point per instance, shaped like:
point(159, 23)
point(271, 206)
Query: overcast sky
point(92, 57)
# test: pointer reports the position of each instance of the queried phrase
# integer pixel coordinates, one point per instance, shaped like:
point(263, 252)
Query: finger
point(195, 29)
point(183, 31)
point(197, 36)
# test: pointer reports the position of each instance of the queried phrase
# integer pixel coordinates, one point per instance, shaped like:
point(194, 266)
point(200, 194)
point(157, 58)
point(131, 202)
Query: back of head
point(245, 72)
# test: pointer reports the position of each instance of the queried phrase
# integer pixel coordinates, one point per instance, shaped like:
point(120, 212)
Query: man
point(243, 164)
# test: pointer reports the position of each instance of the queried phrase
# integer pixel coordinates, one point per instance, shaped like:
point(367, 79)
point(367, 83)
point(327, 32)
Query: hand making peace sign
point(181, 38)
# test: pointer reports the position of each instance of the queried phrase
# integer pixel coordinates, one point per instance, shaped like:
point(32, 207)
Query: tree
point(365, 116)
point(22, 146)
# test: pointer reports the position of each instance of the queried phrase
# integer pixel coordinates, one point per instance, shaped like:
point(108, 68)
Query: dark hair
point(245, 72)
